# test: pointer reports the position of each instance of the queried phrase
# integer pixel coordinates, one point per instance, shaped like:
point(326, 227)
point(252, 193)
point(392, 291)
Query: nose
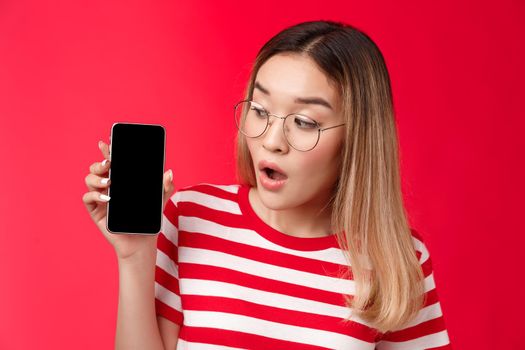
point(274, 137)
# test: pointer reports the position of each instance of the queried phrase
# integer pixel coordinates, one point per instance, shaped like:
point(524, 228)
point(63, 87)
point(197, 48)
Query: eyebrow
point(302, 100)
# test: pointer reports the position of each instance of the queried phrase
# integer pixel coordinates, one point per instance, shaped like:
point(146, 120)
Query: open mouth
point(273, 174)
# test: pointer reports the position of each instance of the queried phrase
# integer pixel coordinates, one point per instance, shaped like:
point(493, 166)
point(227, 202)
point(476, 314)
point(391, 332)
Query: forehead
point(289, 76)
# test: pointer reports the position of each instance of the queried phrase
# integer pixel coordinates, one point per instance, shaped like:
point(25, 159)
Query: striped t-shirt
point(231, 281)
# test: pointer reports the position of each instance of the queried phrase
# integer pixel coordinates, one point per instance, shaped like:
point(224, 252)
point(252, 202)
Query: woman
point(265, 263)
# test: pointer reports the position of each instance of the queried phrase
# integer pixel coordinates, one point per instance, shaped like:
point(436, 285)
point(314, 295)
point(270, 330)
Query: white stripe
point(420, 246)
point(282, 301)
point(183, 345)
point(175, 198)
point(429, 283)
point(256, 268)
point(209, 201)
point(167, 297)
point(252, 238)
point(228, 188)
point(427, 313)
point(164, 262)
point(276, 330)
point(170, 231)
point(425, 342)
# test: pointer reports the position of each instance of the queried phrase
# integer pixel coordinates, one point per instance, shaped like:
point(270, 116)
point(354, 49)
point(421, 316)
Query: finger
point(168, 180)
point(168, 187)
point(104, 148)
point(100, 168)
point(94, 182)
point(93, 198)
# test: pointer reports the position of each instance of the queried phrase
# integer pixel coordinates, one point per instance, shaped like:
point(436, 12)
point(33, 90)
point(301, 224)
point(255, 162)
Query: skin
point(297, 208)
point(137, 325)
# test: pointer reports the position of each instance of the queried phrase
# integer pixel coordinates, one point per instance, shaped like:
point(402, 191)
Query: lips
point(271, 177)
point(264, 165)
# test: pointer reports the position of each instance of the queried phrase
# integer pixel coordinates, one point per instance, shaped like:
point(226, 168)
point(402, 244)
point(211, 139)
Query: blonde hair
point(367, 202)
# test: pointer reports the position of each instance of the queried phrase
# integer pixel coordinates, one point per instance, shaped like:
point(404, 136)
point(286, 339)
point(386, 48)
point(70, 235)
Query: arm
point(169, 332)
point(168, 306)
point(137, 324)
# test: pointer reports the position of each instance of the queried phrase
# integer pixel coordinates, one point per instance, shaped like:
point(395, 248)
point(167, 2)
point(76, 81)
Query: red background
point(70, 69)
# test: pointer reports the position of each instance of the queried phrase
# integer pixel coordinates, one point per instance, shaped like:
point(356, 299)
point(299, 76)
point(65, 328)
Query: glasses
point(301, 132)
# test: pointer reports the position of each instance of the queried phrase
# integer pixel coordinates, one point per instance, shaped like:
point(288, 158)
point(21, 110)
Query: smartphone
point(137, 155)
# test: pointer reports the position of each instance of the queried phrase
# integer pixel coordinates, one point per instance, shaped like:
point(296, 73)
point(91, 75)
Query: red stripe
point(167, 247)
point(204, 241)
point(426, 328)
point(416, 234)
point(172, 212)
point(212, 273)
point(218, 216)
point(239, 339)
point(427, 267)
point(275, 314)
point(431, 297)
point(166, 280)
point(270, 313)
point(212, 191)
point(168, 312)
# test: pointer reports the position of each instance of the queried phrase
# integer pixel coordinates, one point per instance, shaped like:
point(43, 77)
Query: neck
point(309, 220)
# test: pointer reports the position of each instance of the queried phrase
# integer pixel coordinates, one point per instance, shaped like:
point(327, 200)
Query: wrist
point(145, 255)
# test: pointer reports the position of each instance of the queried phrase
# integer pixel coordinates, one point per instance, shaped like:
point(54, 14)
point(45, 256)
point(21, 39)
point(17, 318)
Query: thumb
point(168, 183)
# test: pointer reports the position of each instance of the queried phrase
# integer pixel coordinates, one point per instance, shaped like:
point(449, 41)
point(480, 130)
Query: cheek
point(250, 144)
point(318, 165)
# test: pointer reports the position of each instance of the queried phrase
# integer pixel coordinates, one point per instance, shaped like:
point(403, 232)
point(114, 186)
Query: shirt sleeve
point(167, 293)
point(427, 330)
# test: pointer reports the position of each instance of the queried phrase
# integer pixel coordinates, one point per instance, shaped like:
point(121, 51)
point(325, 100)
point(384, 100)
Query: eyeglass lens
point(252, 119)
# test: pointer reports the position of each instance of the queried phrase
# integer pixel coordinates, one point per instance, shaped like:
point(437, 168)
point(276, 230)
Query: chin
point(273, 201)
point(285, 199)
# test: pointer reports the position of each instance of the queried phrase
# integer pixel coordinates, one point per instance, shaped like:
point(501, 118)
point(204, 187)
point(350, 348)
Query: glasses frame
point(268, 114)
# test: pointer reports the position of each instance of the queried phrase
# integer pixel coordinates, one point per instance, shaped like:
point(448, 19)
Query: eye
point(259, 110)
point(304, 122)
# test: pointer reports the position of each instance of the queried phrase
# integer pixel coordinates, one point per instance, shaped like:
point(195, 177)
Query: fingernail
point(105, 180)
point(104, 197)
point(100, 144)
point(170, 175)
point(104, 162)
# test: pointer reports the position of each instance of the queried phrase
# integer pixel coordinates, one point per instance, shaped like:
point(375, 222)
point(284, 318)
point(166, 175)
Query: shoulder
point(205, 192)
point(210, 187)
point(420, 246)
point(423, 256)
point(202, 199)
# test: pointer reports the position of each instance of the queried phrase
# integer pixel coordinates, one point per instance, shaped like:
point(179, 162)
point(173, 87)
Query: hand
point(96, 200)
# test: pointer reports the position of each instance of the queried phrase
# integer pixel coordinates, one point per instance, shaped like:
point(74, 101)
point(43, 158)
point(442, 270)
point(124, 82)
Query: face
point(291, 83)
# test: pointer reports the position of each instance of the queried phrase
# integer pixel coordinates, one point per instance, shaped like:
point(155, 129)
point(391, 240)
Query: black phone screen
point(136, 172)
